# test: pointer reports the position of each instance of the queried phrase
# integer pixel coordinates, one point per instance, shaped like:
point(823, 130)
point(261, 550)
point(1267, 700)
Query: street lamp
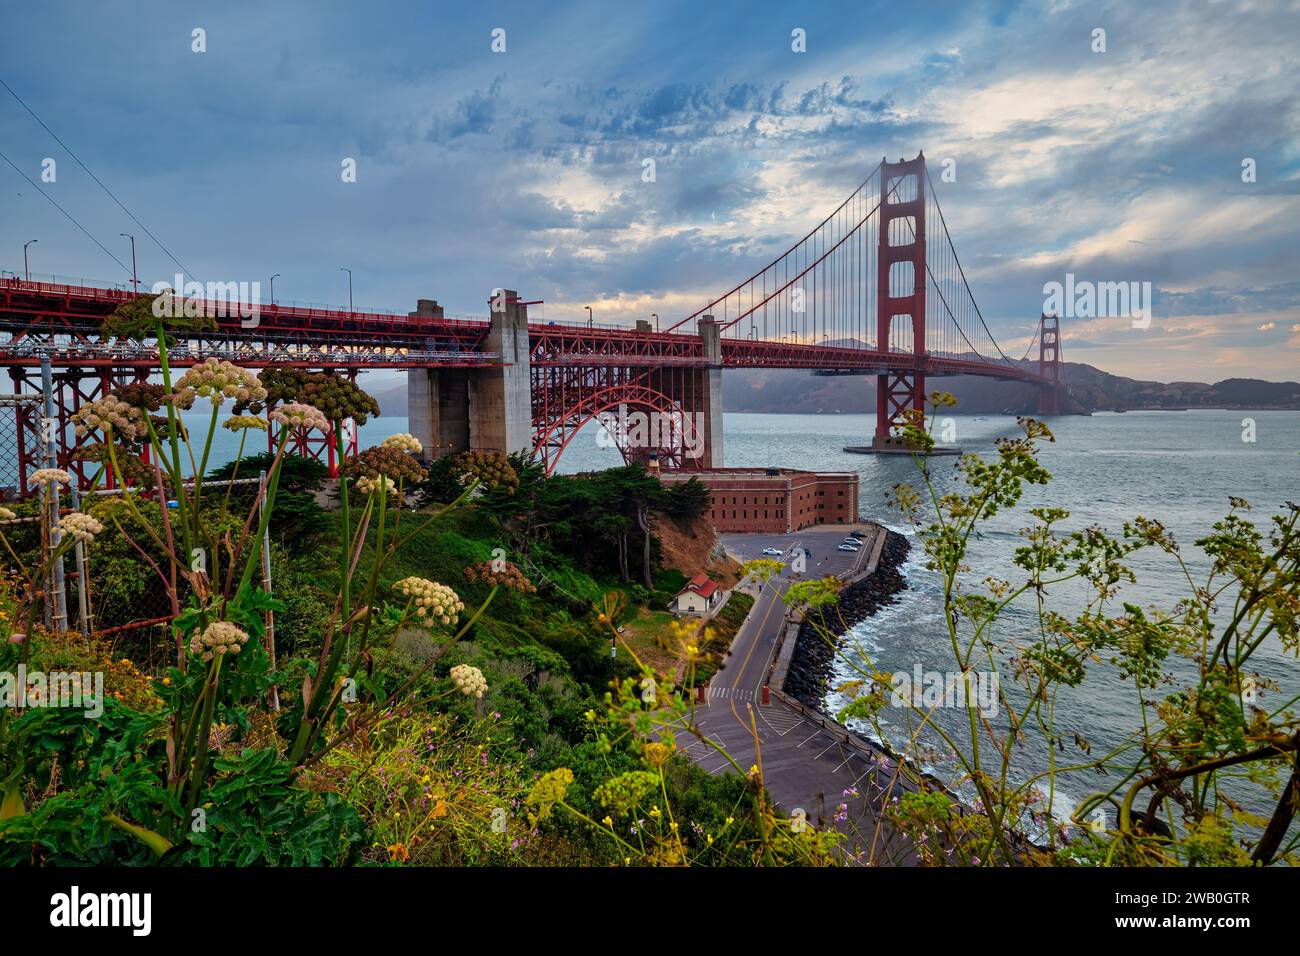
point(655, 316)
point(27, 273)
point(349, 272)
point(273, 278)
point(135, 276)
point(589, 316)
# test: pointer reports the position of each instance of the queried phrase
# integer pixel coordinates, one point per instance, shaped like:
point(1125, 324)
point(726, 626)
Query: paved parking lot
point(822, 542)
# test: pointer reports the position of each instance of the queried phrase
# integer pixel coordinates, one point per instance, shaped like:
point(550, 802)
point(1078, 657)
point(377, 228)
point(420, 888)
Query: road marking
point(809, 737)
point(780, 720)
point(834, 743)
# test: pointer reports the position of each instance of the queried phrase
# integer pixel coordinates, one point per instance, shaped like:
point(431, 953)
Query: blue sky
point(523, 169)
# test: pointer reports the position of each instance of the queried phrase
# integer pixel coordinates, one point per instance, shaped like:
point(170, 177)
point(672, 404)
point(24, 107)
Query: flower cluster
point(433, 601)
point(141, 395)
point(298, 415)
point(548, 791)
point(81, 526)
point(469, 680)
point(388, 461)
point(501, 573)
point(219, 637)
point(626, 792)
point(218, 380)
point(337, 397)
point(109, 415)
point(491, 469)
point(404, 442)
point(182, 398)
point(50, 476)
point(368, 486)
point(6, 514)
point(237, 423)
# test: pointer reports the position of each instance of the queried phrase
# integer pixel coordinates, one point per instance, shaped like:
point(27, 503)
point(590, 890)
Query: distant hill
point(392, 400)
point(1088, 390)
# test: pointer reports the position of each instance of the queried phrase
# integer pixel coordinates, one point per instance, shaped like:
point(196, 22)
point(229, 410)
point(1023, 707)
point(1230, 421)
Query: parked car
point(773, 552)
point(857, 534)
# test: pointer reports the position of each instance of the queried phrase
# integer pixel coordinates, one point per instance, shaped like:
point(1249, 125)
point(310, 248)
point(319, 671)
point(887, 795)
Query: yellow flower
point(591, 716)
point(654, 812)
point(608, 821)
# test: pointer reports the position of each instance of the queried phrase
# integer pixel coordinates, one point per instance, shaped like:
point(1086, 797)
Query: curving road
point(804, 766)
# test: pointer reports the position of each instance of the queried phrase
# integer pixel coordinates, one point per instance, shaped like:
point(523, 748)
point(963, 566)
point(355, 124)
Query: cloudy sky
point(478, 169)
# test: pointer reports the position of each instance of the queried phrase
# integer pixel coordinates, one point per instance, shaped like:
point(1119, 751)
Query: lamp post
point(27, 273)
point(590, 323)
point(655, 316)
point(135, 276)
point(273, 278)
point(349, 272)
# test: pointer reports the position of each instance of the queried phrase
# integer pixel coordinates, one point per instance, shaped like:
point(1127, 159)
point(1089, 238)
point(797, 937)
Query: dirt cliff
point(691, 547)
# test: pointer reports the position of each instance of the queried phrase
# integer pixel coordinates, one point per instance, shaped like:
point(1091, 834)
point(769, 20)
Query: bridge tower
point(1049, 365)
point(900, 291)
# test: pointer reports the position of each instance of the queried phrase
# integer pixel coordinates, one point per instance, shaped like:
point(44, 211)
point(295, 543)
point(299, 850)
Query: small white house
point(700, 596)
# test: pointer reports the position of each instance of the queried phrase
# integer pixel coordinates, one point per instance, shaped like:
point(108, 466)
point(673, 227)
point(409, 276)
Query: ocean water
point(1177, 467)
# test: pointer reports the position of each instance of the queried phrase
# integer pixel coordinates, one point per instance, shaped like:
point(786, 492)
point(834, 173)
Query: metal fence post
point(59, 614)
point(83, 578)
point(266, 584)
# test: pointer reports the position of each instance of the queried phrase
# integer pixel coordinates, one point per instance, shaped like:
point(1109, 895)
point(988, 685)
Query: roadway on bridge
point(804, 766)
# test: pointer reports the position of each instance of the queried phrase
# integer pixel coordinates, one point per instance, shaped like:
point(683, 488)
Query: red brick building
point(779, 500)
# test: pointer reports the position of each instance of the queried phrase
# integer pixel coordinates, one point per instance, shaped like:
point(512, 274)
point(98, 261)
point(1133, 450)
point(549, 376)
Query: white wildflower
point(81, 526)
point(470, 680)
point(404, 442)
point(219, 637)
point(298, 415)
point(433, 601)
point(368, 486)
point(50, 476)
point(218, 380)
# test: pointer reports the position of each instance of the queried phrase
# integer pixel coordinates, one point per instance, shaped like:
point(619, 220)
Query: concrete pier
point(488, 409)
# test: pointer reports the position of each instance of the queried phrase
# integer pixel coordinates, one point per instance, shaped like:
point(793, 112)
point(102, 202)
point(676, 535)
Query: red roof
point(702, 584)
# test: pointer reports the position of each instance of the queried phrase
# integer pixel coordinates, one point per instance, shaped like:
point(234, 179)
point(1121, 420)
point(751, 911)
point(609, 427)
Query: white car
point(773, 552)
point(848, 547)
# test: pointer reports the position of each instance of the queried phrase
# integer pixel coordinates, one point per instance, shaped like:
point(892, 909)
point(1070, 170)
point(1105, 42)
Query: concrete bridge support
point(697, 392)
point(488, 409)
point(710, 410)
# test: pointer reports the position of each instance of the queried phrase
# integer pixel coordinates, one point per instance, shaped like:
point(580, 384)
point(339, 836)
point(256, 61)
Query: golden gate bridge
point(875, 288)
